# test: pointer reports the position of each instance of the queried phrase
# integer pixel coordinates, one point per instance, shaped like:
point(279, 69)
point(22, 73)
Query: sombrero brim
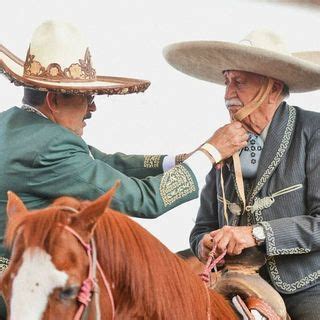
point(12, 67)
point(311, 56)
point(206, 60)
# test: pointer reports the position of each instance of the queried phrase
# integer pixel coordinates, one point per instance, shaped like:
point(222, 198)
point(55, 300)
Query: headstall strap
point(239, 116)
point(90, 285)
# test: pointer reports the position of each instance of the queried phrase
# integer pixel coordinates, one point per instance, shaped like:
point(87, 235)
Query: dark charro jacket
point(290, 157)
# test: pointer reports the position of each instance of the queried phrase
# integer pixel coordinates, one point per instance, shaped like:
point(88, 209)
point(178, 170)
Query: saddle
point(240, 282)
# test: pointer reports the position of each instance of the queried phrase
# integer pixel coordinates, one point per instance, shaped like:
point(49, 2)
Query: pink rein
point(211, 264)
point(89, 284)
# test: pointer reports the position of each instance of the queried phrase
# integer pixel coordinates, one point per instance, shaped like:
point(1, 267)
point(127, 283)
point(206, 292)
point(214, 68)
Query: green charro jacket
point(41, 161)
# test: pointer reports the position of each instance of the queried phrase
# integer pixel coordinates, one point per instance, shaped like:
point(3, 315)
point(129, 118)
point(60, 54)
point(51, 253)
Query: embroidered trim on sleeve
point(152, 161)
point(272, 243)
point(294, 286)
point(4, 262)
point(175, 184)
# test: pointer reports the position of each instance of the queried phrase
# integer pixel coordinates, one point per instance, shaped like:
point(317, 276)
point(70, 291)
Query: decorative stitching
point(152, 161)
point(140, 87)
point(81, 70)
point(290, 287)
point(256, 216)
point(282, 148)
point(266, 202)
point(181, 158)
point(272, 243)
point(274, 272)
point(175, 184)
point(280, 153)
point(4, 262)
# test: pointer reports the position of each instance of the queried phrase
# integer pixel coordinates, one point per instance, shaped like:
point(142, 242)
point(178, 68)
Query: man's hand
point(232, 239)
point(229, 139)
point(205, 247)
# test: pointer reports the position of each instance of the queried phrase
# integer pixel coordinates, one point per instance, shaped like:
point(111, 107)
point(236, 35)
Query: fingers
point(237, 124)
point(221, 239)
point(232, 239)
point(231, 247)
point(229, 139)
point(205, 247)
point(208, 241)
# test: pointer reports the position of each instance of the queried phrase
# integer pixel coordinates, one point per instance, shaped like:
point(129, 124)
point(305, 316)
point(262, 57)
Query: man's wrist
point(258, 234)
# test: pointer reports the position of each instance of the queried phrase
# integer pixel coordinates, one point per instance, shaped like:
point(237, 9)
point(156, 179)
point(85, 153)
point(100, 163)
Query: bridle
point(90, 285)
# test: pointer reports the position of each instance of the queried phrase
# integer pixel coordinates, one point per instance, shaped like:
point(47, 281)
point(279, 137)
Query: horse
point(63, 252)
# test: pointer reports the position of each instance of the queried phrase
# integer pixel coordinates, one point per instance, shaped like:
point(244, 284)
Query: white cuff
point(200, 165)
point(168, 162)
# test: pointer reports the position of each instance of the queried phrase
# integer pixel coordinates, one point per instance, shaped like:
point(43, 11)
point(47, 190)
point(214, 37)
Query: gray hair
point(36, 98)
point(33, 97)
point(285, 91)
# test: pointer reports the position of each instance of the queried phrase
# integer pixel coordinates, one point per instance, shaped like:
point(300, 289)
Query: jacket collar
point(276, 145)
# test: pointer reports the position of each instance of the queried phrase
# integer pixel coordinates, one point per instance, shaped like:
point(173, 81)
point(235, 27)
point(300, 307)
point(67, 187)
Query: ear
point(86, 220)
point(51, 100)
point(276, 91)
point(15, 206)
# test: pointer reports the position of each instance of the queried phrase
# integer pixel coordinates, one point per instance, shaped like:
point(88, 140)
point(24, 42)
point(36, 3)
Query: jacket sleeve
point(300, 232)
point(207, 218)
point(138, 166)
point(65, 167)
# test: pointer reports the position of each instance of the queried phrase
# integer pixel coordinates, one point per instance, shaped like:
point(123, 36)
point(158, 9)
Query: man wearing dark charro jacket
point(279, 211)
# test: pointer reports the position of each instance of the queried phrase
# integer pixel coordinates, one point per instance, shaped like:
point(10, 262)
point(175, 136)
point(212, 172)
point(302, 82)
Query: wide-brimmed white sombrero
point(58, 59)
point(262, 52)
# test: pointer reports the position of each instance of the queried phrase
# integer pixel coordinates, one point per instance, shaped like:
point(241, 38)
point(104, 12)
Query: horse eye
point(69, 293)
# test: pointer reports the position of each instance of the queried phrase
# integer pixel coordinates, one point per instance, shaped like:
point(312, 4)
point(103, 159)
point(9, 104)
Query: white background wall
point(177, 112)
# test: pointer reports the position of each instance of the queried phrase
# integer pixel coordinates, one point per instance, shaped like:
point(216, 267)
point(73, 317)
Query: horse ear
point(15, 206)
point(86, 220)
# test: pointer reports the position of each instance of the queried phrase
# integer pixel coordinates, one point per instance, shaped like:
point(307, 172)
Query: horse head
point(51, 261)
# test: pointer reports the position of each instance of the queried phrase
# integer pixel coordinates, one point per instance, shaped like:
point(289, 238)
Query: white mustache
point(233, 102)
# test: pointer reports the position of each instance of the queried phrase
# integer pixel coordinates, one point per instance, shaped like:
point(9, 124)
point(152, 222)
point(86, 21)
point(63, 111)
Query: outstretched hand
point(229, 139)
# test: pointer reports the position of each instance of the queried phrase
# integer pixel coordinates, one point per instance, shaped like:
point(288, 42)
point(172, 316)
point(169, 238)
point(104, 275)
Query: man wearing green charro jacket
point(43, 155)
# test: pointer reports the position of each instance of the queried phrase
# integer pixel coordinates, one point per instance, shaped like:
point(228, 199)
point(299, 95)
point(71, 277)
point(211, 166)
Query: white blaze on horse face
point(36, 278)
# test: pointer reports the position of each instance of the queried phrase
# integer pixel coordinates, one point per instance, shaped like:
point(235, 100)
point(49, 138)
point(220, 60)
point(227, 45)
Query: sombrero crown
point(58, 59)
point(262, 52)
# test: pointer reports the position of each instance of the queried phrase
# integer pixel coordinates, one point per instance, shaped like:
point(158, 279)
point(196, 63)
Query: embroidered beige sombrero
point(58, 59)
point(262, 52)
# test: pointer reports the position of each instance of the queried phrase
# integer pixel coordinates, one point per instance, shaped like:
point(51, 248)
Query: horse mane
point(156, 279)
point(151, 277)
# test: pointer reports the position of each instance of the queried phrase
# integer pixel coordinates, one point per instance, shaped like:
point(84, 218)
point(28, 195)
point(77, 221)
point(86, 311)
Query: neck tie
point(250, 156)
